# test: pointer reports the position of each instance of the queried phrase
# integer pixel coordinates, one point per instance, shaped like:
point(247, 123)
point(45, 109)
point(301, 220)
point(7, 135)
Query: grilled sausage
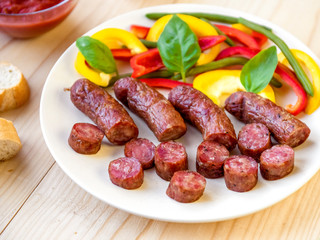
point(126, 173)
point(204, 114)
point(186, 186)
point(161, 117)
point(249, 108)
point(210, 159)
point(277, 162)
point(253, 139)
point(141, 149)
point(109, 115)
point(240, 173)
point(85, 138)
point(169, 158)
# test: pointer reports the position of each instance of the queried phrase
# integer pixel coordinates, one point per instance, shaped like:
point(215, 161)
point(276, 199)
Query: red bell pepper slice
point(123, 54)
point(146, 62)
point(163, 82)
point(207, 42)
point(259, 37)
point(289, 77)
point(140, 32)
point(240, 36)
point(237, 50)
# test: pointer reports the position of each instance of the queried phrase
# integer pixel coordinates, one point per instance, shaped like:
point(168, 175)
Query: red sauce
point(25, 6)
point(17, 24)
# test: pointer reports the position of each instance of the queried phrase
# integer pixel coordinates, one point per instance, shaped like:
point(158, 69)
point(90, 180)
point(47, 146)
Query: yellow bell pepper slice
point(314, 69)
point(95, 76)
point(218, 85)
point(122, 36)
point(199, 27)
point(242, 28)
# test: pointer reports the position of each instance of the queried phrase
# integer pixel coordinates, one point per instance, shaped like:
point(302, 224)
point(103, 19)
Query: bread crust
point(14, 96)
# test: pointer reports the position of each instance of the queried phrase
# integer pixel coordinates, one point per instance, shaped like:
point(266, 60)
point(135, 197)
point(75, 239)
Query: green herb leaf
point(97, 54)
point(178, 46)
point(258, 71)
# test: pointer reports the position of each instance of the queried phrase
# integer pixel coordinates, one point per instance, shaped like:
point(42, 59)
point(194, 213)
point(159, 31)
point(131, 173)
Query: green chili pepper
point(303, 78)
point(213, 65)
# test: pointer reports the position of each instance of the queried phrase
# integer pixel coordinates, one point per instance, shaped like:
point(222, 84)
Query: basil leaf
point(178, 46)
point(97, 54)
point(258, 71)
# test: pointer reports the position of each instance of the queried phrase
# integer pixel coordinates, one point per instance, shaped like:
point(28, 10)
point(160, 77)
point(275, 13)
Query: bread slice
point(9, 140)
point(14, 89)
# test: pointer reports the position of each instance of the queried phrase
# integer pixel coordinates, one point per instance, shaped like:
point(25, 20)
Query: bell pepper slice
point(139, 31)
point(218, 85)
point(240, 36)
point(314, 70)
point(289, 77)
point(146, 62)
point(163, 82)
point(128, 39)
point(259, 37)
point(123, 54)
point(237, 50)
point(97, 77)
point(199, 27)
point(207, 42)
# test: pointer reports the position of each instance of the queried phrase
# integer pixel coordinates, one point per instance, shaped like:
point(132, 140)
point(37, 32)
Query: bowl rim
point(36, 12)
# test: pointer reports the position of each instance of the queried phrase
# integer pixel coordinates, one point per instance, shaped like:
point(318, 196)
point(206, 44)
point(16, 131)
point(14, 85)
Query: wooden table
point(39, 201)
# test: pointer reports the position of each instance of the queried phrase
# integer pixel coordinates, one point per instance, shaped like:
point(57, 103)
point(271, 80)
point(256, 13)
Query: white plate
point(57, 115)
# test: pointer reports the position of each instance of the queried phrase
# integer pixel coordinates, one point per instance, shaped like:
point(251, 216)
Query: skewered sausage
point(186, 186)
point(161, 117)
point(104, 110)
point(276, 162)
point(141, 149)
point(170, 157)
point(85, 138)
point(249, 108)
point(253, 139)
point(204, 114)
point(210, 159)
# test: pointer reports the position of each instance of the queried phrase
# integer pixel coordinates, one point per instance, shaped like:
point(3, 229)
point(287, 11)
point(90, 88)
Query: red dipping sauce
point(30, 18)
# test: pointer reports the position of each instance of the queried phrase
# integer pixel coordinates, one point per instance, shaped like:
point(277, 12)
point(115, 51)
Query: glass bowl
point(26, 25)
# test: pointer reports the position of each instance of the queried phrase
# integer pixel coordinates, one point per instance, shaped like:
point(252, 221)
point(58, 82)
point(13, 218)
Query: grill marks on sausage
point(161, 117)
point(204, 114)
point(104, 110)
point(277, 162)
point(186, 186)
point(250, 108)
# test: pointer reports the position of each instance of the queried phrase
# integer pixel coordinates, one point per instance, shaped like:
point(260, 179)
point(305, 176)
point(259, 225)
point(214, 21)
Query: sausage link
point(109, 115)
point(161, 117)
point(203, 113)
point(249, 108)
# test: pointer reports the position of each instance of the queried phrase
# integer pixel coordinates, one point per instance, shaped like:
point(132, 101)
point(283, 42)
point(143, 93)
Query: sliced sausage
point(164, 121)
point(109, 115)
point(186, 186)
point(249, 108)
point(85, 138)
point(170, 157)
point(204, 114)
point(126, 173)
point(253, 139)
point(210, 159)
point(141, 149)
point(240, 173)
point(277, 162)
